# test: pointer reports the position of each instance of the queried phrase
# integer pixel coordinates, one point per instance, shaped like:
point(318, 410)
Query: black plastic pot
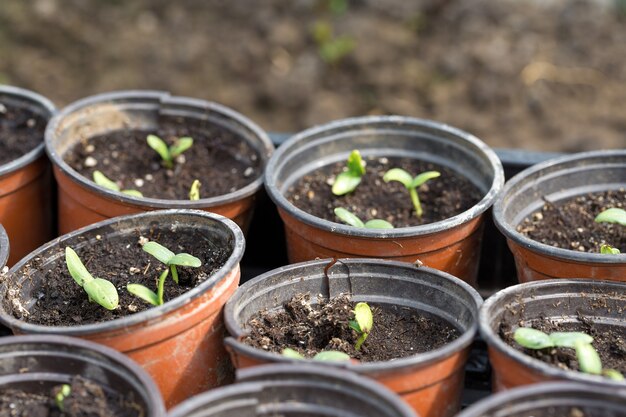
point(4, 248)
point(555, 180)
point(296, 391)
point(451, 245)
point(430, 382)
point(38, 363)
point(560, 300)
point(82, 202)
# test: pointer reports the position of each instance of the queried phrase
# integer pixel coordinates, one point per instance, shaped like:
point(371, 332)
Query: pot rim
point(153, 393)
point(529, 392)
point(164, 98)
point(5, 248)
point(510, 232)
point(38, 150)
point(420, 359)
point(495, 342)
point(402, 232)
point(150, 314)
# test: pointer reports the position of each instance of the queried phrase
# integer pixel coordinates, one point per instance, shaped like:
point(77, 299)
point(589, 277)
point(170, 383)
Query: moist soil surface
point(310, 328)
point(20, 132)
point(609, 341)
point(570, 224)
point(441, 198)
point(221, 160)
point(121, 260)
point(561, 412)
point(86, 399)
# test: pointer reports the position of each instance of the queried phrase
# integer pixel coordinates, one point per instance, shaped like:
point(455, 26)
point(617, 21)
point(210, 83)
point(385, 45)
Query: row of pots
point(452, 245)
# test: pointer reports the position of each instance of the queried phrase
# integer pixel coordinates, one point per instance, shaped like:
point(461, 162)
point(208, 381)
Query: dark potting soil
point(569, 224)
point(121, 260)
point(609, 341)
point(222, 161)
point(309, 328)
point(20, 132)
point(86, 399)
point(441, 198)
point(564, 411)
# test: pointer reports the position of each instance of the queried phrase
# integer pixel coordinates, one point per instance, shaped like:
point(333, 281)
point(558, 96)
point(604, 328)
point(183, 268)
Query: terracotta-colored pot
point(451, 245)
point(26, 184)
point(551, 399)
point(4, 248)
point(431, 382)
point(296, 390)
point(561, 300)
point(39, 363)
point(559, 179)
point(82, 202)
point(179, 343)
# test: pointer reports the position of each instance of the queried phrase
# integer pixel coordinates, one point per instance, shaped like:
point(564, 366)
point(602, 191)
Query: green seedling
point(350, 218)
point(348, 180)
point(411, 184)
point(99, 290)
point(612, 215)
point(609, 250)
point(169, 153)
point(171, 259)
point(194, 191)
point(146, 294)
point(101, 179)
point(588, 358)
point(325, 356)
point(362, 323)
point(60, 396)
point(331, 48)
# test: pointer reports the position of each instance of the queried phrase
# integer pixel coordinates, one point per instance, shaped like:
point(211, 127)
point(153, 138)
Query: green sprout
point(331, 48)
point(588, 358)
point(348, 180)
point(325, 356)
point(60, 396)
point(168, 154)
point(99, 290)
point(170, 259)
point(411, 184)
point(362, 323)
point(101, 179)
point(612, 215)
point(194, 191)
point(609, 250)
point(349, 218)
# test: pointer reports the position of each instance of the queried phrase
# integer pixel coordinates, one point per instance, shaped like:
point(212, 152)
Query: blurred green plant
point(331, 48)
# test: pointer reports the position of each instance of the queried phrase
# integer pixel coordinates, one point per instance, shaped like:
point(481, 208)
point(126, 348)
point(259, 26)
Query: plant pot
point(561, 301)
point(431, 382)
point(82, 202)
point(179, 343)
point(296, 390)
point(38, 363)
point(25, 184)
point(556, 180)
point(551, 399)
point(4, 248)
point(451, 245)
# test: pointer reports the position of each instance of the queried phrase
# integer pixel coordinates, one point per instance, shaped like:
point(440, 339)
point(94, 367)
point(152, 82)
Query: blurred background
point(531, 74)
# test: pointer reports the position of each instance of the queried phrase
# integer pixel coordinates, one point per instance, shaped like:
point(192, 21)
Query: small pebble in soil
point(90, 162)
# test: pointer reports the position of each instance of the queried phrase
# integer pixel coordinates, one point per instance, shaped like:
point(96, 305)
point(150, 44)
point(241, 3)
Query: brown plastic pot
point(560, 300)
point(26, 184)
point(431, 382)
point(38, 363)
point(451, 245)
point(82, 202)
point(179, 343)
point(559, 179)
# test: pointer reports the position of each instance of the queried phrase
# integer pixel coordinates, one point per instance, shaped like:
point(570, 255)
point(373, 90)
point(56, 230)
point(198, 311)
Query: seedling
point(60, 396)
point(588, 358)
point(612, 215)
point(99, 290)
point(325, 356)
point(350, 218)
point(609, 250)
point(194, 191)
point(411, 184)
point(146, 294)
point(348, 180)
point(171, 259)
point(169, 153)
point(362, 323)
point(101, 179)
